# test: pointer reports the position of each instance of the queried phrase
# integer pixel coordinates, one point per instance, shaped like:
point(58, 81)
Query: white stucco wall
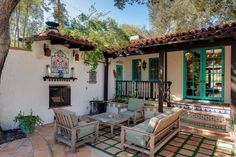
point(22, 87)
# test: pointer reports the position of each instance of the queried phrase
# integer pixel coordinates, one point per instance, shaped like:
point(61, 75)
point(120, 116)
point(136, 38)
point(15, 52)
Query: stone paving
point(40, 144)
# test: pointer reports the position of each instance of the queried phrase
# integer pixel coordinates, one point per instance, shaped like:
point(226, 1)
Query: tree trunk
point(6, 8)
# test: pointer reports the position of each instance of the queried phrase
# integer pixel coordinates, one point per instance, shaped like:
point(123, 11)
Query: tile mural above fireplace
point(59, 63)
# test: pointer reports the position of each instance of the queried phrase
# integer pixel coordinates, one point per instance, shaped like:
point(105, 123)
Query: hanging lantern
point(76, 57)
point(188, 55)
point(144, 65)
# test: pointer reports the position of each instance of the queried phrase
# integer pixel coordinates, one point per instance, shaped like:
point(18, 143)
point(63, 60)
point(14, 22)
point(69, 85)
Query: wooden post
point(106, 69)
point(233, 79)
point(160, 87)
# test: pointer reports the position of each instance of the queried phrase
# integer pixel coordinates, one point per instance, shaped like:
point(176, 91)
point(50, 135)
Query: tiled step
point(219, 127)
point(209, 117)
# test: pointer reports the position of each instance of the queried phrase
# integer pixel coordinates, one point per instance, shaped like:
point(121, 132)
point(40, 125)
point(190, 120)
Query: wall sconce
point(48, 70)
point(144, 65)
point(47, 51)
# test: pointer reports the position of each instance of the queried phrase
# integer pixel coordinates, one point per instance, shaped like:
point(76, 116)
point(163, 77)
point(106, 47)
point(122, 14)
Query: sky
point(132, 14)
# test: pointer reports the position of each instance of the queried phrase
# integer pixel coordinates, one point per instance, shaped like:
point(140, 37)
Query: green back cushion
point(135, 104)
point(72, 115)
point(153, 122)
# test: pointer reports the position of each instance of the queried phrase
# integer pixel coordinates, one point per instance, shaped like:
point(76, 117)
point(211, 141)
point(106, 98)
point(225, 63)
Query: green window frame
point(119, 71)
point(155, 69)
point(204, 75)
point(136, 70)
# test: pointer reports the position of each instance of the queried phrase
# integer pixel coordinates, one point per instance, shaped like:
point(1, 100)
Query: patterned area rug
point(182, 145)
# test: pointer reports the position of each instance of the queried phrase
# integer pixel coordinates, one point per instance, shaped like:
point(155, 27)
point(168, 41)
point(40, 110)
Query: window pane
point(137, 69)
point(153, 68)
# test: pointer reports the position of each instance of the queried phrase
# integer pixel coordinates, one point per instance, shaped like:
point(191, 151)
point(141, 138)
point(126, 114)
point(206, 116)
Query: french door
point(204, 74)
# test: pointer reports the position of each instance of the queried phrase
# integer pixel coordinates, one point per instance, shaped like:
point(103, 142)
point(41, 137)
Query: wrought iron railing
point(143, 89)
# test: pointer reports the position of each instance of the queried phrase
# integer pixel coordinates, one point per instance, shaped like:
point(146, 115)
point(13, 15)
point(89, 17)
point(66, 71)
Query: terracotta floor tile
point(111, 142)
point(166, 153)
point(202, 155)
point(179, 140)
point(171, 148)
point(190, 147)
point(113, 150)
point(102, 145)
point(198, 139)
point(186, 152)
point(179, 155)
point(209, 142)
point(205, 151)
point(221, 154)
point(174, 143)
point(194, 143)
point(207, 146)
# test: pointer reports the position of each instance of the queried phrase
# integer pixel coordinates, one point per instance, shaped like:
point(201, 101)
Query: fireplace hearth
point(59, 96)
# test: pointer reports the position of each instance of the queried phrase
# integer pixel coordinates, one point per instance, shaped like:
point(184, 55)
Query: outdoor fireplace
point(59, 96)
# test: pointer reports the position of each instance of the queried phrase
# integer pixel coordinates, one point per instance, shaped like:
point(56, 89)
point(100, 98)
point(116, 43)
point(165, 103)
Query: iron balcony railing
point(143, 89)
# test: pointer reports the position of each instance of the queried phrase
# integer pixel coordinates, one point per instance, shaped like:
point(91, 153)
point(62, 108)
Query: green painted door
point(204, 74)
point(119, 77)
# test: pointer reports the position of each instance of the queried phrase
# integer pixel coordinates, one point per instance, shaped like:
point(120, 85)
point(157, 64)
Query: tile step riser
point(217, 128)
point(205, 117)
point(204, 109)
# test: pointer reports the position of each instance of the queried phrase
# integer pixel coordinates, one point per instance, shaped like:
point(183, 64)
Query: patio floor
point(40, 144)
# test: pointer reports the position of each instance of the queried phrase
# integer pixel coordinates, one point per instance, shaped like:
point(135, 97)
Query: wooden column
point(161, 86)
point(233, 77)
point(106, 68)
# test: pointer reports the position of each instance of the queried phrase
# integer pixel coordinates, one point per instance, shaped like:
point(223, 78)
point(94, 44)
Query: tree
point(26, 20)
point(6, 8)
point(105, 32)
point(169, 16)
point(131, 30)
point(60, 13)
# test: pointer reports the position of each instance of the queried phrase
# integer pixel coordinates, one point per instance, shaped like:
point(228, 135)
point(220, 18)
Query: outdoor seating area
point(167, 139)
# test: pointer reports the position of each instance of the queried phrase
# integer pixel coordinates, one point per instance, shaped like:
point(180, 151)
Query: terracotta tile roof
point(83, 44)
point(198, 34)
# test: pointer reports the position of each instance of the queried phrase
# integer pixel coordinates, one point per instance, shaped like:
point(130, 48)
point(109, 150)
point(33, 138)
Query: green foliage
point(60, 13)
point(26, 20)
point(131, 30)
point(27, 123)
point(169, 16)
point(120, 99)
point(100, 29)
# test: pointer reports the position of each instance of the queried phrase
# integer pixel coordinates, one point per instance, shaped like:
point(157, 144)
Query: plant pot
point(27, 128)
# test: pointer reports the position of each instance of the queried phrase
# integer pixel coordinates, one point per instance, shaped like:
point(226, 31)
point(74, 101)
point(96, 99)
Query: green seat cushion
point(135, 104)
point(73, 116)
point(130, 114)
point(137, 138)
point(84, 131)
point(154, 121)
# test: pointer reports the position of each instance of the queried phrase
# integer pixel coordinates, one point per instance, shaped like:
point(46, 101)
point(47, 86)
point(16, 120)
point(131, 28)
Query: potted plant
point(27, 123)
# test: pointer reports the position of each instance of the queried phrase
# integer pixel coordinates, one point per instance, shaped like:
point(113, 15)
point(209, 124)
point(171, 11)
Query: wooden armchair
point(70, 131)
point(149, 136)
point(134, 110)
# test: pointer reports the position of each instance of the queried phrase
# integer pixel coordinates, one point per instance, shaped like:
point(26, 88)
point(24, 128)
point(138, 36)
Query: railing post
point(151, 90)
point(126, 88)
point(136, 89)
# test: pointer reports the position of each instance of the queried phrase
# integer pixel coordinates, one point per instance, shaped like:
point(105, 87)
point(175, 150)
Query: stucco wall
point(174, 72)
point(22, 87)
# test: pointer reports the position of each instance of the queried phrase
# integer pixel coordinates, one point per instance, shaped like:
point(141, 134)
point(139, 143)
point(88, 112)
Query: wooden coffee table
point(110, 119)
